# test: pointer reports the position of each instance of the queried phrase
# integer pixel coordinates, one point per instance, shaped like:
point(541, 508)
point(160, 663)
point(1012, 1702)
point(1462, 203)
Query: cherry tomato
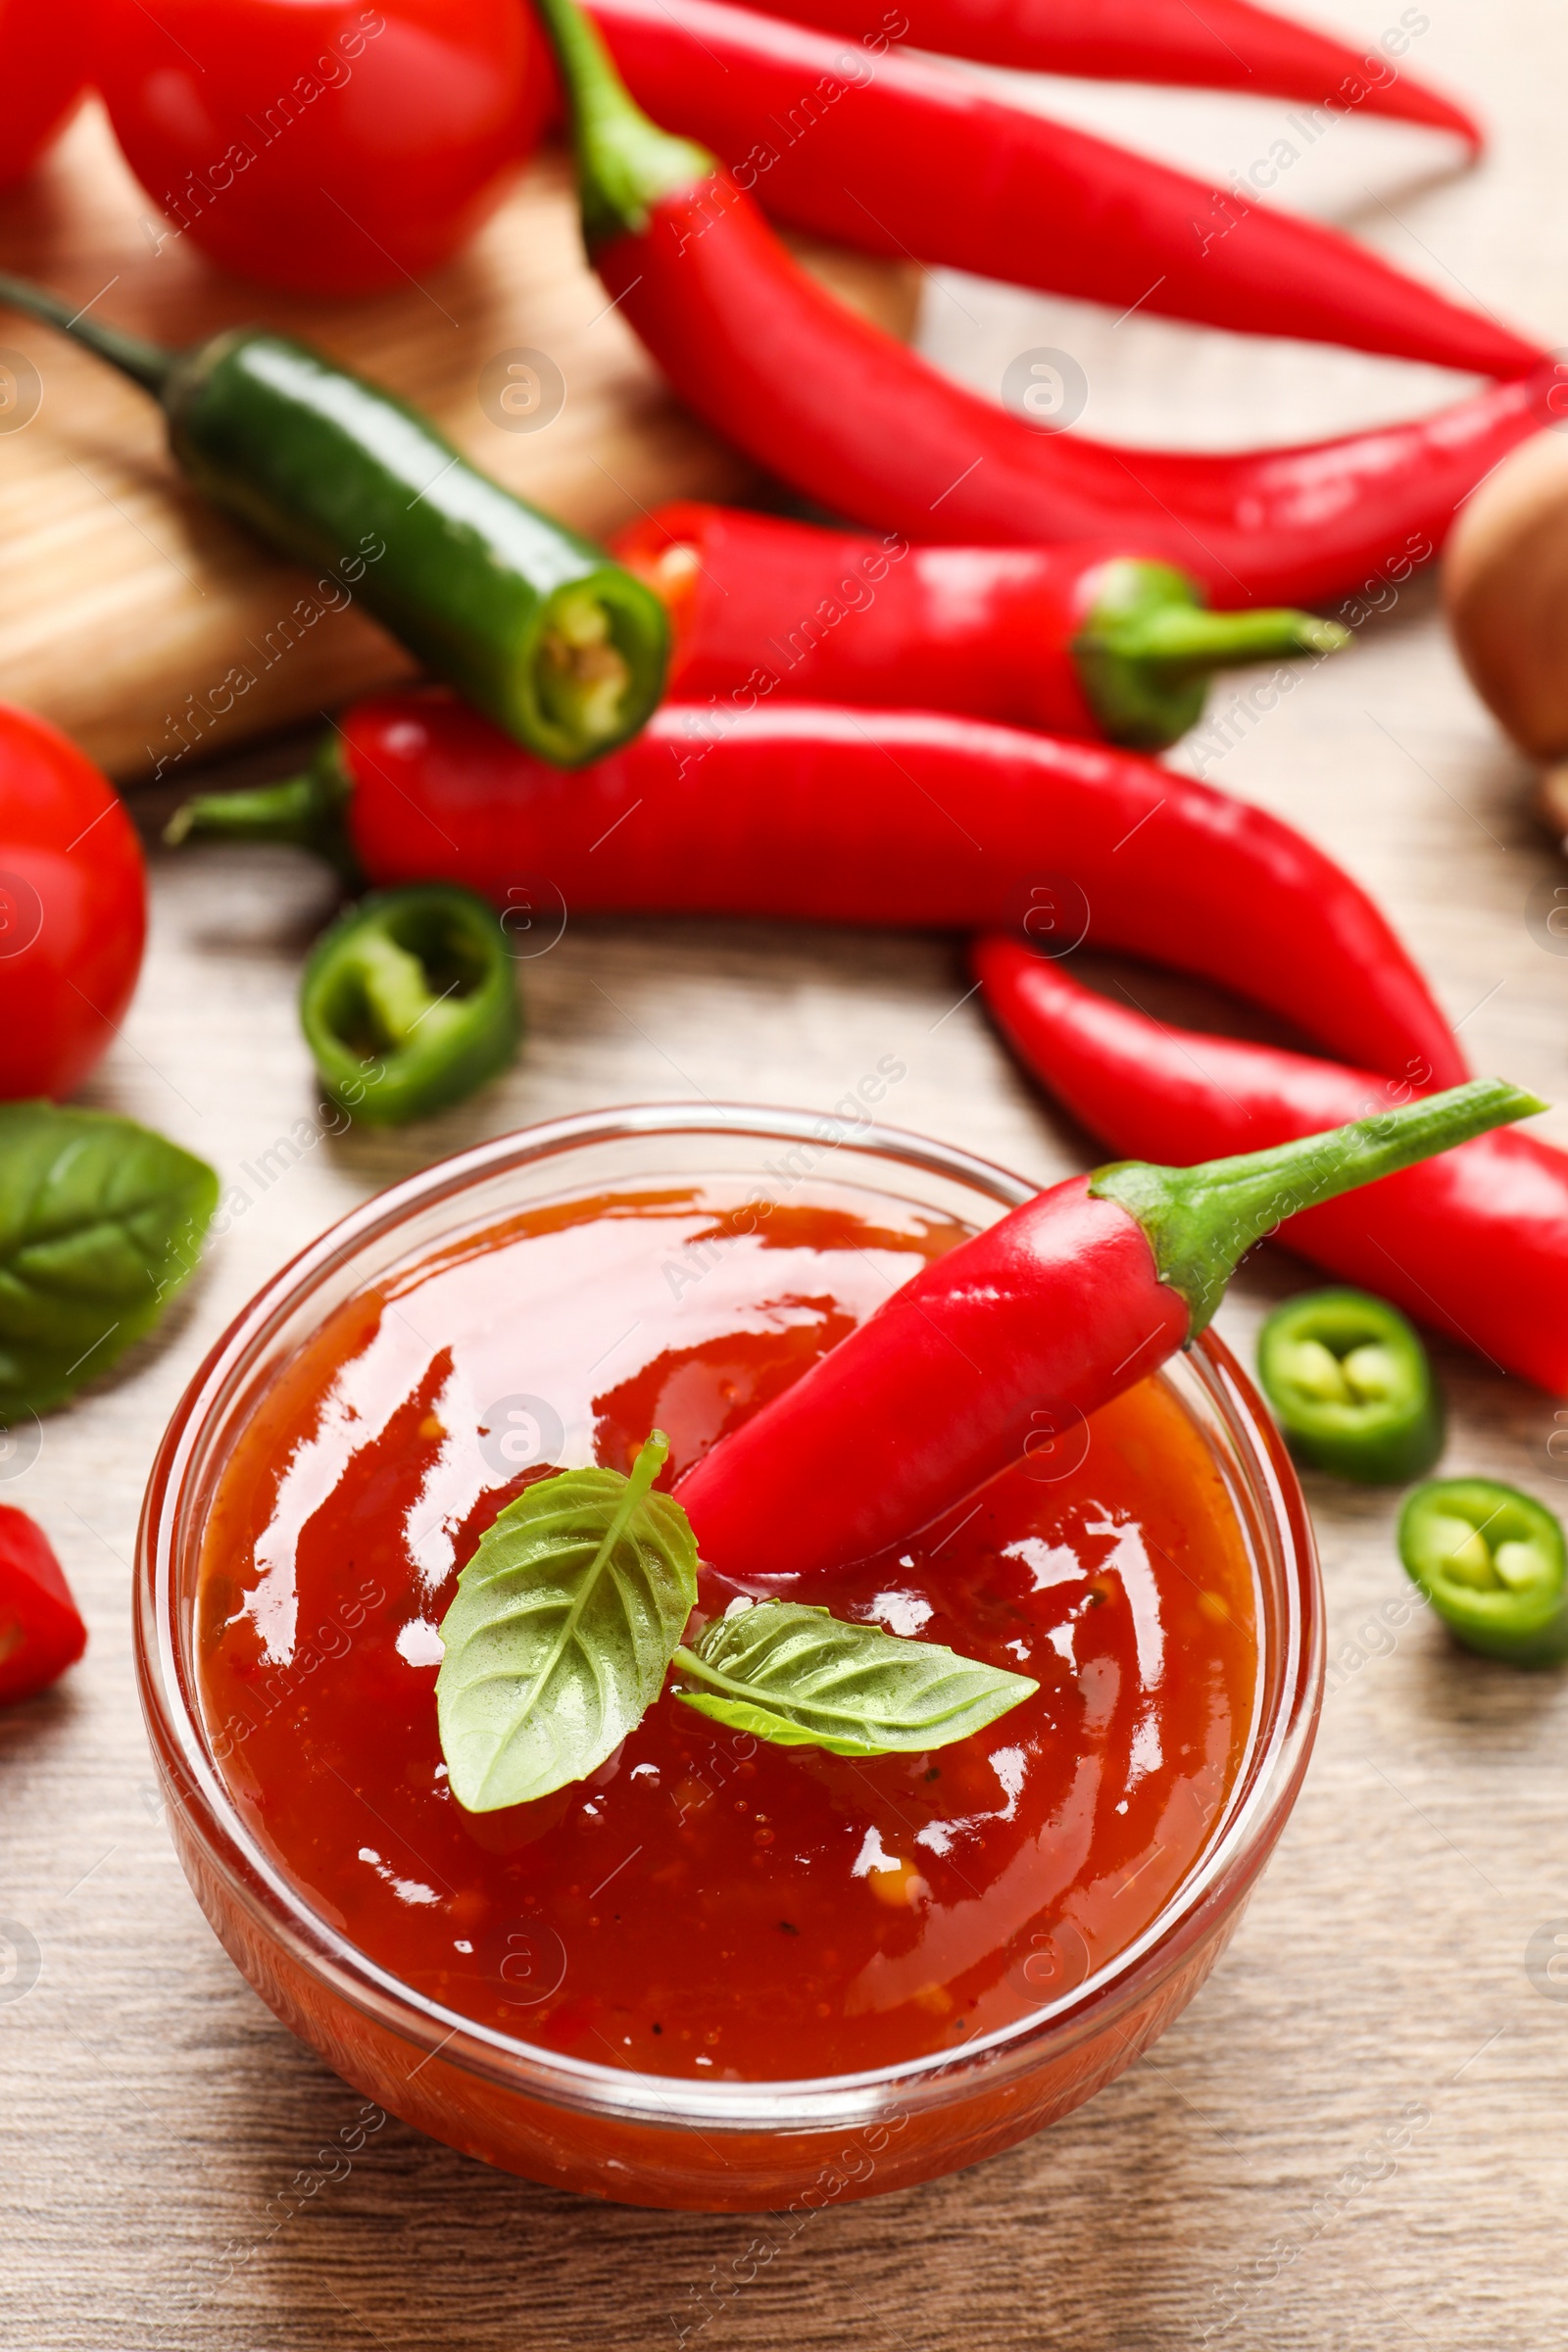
point(42, 75)
point(325, 147)
point(41, 1632)
point(73, 910)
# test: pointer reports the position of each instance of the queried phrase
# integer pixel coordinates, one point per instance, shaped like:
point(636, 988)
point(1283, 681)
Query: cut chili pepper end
point(625, 162)
point(592, 651)
point(1202, 1221)
point(409, 1001)
point(1149, 647)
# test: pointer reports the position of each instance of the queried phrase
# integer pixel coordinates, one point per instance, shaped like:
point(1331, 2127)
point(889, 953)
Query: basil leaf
point(100, 1223)
point(793, 1675)
point(564, 1623)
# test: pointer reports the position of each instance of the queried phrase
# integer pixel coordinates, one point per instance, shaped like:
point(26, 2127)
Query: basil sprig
point(100, 1223)
point(791, 1673)
point(570, 1612)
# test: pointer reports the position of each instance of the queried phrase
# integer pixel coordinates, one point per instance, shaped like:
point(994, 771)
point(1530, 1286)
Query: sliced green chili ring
point(1351, 1387)
point(409, 1001)
point(1495, 1566)
point(532, 623)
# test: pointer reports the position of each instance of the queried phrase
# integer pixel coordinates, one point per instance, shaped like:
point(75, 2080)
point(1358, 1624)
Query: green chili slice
point(1352, 1387)
point(409, 1001)
point(1493, 1564)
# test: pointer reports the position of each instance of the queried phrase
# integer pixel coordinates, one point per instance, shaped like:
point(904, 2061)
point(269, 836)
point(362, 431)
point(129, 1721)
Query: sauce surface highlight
point(705, 1903)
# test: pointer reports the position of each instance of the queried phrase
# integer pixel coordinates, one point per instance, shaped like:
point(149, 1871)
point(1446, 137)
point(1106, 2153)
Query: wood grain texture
point(126, 601)
point(1236, 2188)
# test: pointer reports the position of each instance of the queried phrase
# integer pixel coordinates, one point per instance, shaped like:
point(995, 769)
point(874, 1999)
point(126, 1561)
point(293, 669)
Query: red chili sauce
point(706, 1903)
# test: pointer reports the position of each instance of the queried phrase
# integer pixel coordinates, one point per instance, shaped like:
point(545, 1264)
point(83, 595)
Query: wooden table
point(1355, 2138)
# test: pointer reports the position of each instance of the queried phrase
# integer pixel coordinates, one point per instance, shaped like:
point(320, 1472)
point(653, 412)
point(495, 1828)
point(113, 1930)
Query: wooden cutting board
point(124, 601)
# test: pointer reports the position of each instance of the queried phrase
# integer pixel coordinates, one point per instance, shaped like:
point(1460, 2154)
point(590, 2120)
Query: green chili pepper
point(1495, 1566)
point(536, 626)
point(409, 1001)
point(1351, 1387)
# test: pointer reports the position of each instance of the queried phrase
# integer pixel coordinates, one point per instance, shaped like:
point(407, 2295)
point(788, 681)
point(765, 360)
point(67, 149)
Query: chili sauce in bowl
point(682, 1980)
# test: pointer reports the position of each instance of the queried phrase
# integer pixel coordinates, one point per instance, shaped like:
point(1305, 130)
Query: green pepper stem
point(625, 162)
point(305, 812)
point(1189, 639)
point(149, 365)
point(1202, 1221)
point(1147, 644)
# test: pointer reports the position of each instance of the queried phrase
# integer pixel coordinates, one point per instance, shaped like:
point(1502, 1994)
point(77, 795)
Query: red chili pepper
point(41, 1632)
point(1076, 640)
point(1221, 45)
point(1005, 1346)
point(870, 430)
point(907, 156)
point(843, 817)
point(43, 72)
point(1475, 1243)
point(73, 911)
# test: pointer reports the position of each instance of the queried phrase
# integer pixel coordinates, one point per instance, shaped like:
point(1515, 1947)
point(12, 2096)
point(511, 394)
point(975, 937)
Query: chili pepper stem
point(625, 162)
point(1202, 1221)
point(1189, 638)
point(149, 365)
point(305, 812)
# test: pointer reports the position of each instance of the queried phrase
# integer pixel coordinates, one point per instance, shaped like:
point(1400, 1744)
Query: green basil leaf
point(793, 1675)
point(100, 1223)
point(559, 1633)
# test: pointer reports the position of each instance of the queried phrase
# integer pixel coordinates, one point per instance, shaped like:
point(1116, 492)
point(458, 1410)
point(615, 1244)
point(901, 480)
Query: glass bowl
point(649, 2139)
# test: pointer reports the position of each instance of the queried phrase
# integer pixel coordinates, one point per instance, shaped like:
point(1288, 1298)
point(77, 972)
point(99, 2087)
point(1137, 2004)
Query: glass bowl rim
point(1277, 1759)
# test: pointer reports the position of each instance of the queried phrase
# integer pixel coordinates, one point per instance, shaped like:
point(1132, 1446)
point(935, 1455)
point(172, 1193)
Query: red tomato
point(73, 910)
point(330, 148)
point(41, 1632)
point(42, 75)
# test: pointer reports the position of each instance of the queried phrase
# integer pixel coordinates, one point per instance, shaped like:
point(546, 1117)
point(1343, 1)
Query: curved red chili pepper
point(1075, 640)
point(905, 156)
point(870, 430)
point(1221, 45)
point(1475, 1243)
point(1007, 1345)
point(887, 817)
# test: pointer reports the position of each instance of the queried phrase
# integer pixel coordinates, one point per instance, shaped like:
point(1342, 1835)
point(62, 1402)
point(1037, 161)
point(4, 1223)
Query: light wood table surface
point(1238, 2185)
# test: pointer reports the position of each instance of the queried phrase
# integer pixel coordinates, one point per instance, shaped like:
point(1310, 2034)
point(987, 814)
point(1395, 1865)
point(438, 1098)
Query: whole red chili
point(321, 144)
point(41, 1632)
point(43, 72)
point(848, 816)
point(1006, 1342)
point(1475, 1243)
point(1076, 640)
point(73, 911)
point(1222, 45)
point(870, 430)
point(906, 156)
